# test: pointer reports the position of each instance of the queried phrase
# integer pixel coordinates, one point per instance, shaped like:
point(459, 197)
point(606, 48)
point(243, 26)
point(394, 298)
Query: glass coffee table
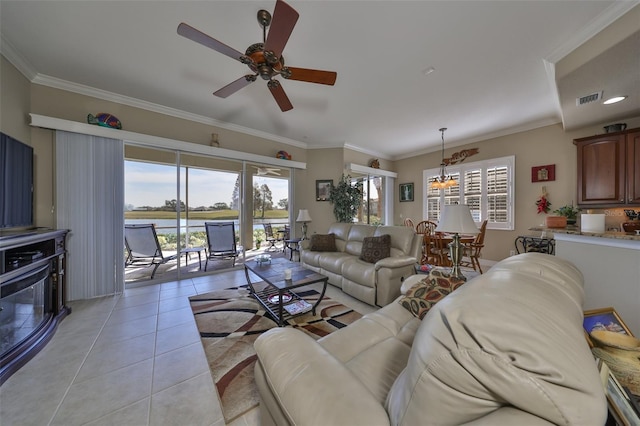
point(278, 297)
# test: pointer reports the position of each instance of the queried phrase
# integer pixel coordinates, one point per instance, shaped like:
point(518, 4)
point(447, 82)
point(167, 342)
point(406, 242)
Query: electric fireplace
point(32, 294)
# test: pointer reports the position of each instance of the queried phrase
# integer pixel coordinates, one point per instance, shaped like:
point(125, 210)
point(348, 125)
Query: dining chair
point(426, 226)
point(409, 222)
point(472, 251)
point(441, 248)
point(430, 255)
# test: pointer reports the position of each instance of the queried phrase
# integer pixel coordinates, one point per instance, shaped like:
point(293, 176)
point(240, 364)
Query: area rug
point(229, 321)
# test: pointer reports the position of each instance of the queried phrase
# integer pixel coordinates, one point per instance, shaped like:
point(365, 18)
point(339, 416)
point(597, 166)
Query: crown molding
point(57, 83)
point(606, 18)
point(17, 60)
point(487, 136)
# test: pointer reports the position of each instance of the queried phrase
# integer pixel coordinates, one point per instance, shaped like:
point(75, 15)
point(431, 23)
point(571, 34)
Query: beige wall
point(547, 145)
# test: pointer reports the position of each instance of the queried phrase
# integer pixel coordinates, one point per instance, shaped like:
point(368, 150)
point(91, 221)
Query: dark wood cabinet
point(609, 169)
point(633, 167)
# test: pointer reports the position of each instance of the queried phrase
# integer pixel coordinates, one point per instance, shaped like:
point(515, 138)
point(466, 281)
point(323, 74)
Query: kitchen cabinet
point(609, 169)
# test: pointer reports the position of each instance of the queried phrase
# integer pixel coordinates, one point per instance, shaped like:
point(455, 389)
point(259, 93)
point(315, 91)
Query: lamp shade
point(303, 216)
point(456, 218)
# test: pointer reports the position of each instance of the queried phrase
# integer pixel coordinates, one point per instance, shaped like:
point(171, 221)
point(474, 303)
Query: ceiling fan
point(264, 59)
point(262, 171)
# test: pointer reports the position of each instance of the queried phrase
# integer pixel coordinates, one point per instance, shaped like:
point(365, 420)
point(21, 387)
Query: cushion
point(323, 242)
point(428, 291)
point(376, 248)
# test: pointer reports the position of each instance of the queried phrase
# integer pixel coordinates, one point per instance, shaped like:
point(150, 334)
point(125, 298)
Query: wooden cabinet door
point(633, 168)
point(602, 167)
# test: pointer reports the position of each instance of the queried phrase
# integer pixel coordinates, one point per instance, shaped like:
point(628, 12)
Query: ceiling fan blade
point(198, 36)
point(284, 19)
point(234, 86)
point(279, 95)
point(312, 76)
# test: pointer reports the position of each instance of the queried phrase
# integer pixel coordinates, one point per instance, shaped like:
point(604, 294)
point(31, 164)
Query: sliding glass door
point(178, 192)
point(270, 200)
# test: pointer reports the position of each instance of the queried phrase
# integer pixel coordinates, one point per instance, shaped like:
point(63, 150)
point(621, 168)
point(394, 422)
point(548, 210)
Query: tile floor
point(127, 360)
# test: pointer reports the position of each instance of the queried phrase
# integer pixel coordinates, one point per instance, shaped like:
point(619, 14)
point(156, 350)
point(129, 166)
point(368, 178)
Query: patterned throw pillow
point(376, 248)
point(428, 291)
point(323, 242)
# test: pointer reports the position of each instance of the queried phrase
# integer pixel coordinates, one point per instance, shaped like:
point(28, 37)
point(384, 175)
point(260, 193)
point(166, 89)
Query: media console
point(32, 294)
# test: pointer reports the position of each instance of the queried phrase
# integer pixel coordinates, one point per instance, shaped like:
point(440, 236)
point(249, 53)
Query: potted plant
point(346, 199)
point(570, 212)
point(257, 236)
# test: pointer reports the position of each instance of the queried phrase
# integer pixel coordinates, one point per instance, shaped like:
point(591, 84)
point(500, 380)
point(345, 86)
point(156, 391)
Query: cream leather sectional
point(374, 283)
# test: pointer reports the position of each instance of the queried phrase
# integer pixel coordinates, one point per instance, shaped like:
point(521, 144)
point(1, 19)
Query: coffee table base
point(277, 288)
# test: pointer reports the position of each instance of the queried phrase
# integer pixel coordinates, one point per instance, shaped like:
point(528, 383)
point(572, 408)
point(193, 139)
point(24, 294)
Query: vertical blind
point(90, 203)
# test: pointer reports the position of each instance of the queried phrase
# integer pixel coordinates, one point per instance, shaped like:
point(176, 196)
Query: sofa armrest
point(310, 385)
point(395, 262)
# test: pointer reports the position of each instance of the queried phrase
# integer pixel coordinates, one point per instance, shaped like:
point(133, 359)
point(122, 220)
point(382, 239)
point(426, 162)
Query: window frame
point(460, 169)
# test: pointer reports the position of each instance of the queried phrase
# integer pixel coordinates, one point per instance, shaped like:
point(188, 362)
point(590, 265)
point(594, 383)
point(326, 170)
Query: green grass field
point(208, 215)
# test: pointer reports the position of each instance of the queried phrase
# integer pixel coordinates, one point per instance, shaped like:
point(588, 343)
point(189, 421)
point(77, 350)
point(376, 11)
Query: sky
point(148, 184)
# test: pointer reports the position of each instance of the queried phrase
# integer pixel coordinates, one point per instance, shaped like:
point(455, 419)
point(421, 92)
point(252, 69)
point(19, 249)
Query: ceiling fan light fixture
point(615, 100)
point(264, 59)
point(443, 181)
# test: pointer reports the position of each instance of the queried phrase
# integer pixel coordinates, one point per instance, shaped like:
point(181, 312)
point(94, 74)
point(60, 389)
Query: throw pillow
point(323, 242)
point(376, 248)
point(429, 291)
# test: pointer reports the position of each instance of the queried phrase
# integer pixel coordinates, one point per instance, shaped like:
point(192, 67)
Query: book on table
point(297, 307)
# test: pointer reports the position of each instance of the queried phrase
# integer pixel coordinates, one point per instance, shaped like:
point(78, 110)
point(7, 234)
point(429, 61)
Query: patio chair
point(141, 242)
point(270, 237)
point(221, 242)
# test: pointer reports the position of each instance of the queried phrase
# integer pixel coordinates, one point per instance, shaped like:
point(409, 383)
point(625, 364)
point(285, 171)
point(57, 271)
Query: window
point(372, 211)
point(485, 186)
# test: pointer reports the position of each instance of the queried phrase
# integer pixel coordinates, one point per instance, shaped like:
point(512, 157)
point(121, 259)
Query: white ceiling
point(489, 58)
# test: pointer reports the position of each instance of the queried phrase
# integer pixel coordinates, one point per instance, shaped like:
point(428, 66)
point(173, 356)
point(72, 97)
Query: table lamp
point(456, 219)
point(303, 217)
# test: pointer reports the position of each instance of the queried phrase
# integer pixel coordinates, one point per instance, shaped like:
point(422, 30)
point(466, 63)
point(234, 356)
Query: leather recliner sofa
point(506, 348)
point(373, 283)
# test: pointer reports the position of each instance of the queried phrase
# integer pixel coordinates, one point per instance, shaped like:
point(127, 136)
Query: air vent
point(593, 97)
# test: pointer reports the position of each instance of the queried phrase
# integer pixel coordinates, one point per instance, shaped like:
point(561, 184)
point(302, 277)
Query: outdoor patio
point(189, 266)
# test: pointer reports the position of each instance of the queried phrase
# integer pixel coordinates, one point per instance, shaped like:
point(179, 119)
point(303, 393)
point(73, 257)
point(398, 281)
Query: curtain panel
point(90, 203)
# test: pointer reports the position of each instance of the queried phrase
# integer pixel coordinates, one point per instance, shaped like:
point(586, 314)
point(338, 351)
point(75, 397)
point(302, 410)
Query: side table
point(187, 254)
point(293, 245)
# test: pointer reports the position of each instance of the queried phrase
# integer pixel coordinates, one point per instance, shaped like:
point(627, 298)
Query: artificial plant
point(568, 211)
point(346, 198)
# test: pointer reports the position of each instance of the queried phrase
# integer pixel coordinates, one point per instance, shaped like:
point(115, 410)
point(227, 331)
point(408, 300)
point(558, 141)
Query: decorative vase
point(621, 353)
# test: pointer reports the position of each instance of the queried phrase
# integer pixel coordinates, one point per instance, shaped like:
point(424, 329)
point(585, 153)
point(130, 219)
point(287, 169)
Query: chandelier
point(443, 181)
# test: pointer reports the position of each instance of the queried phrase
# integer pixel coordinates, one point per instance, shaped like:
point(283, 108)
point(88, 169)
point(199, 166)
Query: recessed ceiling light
point(614, 100)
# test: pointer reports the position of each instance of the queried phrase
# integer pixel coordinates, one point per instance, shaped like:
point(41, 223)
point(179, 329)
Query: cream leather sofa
point(375, 284)
point(506, 348)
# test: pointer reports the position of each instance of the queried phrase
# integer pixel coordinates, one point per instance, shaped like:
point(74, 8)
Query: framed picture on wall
point(543, 173)
point(406, 192)
point(323, 187)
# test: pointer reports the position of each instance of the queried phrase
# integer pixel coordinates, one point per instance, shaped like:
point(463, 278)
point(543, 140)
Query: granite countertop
point(574, 230)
